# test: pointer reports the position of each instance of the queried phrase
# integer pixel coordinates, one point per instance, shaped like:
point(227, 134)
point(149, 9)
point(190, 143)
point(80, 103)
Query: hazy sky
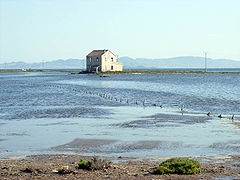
point(42, 30)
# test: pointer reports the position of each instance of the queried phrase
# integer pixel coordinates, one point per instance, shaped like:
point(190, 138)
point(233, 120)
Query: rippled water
point(134, 114)
point(217, 93)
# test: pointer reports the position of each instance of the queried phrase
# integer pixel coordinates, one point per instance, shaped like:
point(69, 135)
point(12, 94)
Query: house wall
point(108, 60)
point(118, 66)
point(93, 62)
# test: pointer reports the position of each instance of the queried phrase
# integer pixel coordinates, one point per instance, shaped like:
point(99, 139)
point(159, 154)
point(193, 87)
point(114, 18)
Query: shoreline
point(46, 166)
point(174, 71)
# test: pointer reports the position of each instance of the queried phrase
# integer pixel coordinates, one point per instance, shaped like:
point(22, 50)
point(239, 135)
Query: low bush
point(94, 164)
point(178, 166)
point(82, 164)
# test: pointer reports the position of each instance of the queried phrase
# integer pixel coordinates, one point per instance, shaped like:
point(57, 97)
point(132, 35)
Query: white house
point(102, 60)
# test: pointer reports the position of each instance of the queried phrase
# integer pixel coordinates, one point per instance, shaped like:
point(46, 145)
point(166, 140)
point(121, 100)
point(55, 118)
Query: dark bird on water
point(220, 116)
point(208, 114)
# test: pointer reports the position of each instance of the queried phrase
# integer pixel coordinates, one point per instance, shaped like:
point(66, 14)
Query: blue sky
point(43, 30)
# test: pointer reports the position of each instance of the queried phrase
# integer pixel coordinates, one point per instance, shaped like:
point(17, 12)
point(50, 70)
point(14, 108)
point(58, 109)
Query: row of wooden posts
point(109, 97)
point(129, 101)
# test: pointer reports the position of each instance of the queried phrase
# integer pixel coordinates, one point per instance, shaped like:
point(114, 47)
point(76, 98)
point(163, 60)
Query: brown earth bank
point(48, 166)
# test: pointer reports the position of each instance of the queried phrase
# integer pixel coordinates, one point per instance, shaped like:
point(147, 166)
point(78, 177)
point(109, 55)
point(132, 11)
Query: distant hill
point(130, 63)
point(55, 64)
point(178, 62)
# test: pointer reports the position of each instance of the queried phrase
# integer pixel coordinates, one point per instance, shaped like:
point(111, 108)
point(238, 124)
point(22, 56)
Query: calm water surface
point(120, 114)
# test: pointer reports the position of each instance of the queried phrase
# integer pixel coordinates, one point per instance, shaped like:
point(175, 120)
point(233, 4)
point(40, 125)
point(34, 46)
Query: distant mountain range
point(55, 64)
point(178, 62)
point(130, 63)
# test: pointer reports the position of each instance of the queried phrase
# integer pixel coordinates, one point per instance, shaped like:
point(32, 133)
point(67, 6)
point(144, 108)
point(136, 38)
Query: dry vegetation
point(67, 167)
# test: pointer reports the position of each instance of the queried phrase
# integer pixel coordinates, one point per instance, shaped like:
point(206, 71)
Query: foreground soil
point(47, 166)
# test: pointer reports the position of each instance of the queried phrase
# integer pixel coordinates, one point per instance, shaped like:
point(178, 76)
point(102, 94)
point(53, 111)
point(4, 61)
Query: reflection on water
point(121, 114)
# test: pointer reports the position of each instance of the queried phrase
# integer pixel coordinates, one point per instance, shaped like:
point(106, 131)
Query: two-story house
point(102, 60)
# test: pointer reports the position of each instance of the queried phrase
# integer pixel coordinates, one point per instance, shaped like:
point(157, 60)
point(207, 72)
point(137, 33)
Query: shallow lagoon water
point(58, 112)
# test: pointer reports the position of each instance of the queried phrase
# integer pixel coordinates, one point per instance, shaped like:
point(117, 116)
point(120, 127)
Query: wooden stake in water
point(182, 108)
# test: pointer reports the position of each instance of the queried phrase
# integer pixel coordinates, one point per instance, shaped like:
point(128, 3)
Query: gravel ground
point(47, 166)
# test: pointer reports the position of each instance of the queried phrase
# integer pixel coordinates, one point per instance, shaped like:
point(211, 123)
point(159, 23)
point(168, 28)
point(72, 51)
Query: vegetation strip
point(174, 71)
point(63, 166)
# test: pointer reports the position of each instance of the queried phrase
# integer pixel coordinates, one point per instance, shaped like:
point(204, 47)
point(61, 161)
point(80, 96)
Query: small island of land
point(130, 71)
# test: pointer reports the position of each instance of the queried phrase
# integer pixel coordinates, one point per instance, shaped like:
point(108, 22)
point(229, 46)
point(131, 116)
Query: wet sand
point(164, 120)
point(46, 166)
point(113, 146)
point(85, 144)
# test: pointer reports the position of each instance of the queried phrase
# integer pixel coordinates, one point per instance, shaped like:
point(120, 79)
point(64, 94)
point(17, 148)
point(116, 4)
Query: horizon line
point(45, 61)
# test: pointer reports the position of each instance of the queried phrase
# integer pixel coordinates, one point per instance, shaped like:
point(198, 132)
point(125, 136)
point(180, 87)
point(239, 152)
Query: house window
point(97, 59)
point(112, 59)
point(90, 59)
point(111, 67)
point(105, 59)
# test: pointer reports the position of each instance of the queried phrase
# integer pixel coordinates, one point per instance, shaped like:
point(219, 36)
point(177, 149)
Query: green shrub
point(83, 164)
point(94, 164)
point(178, 166)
